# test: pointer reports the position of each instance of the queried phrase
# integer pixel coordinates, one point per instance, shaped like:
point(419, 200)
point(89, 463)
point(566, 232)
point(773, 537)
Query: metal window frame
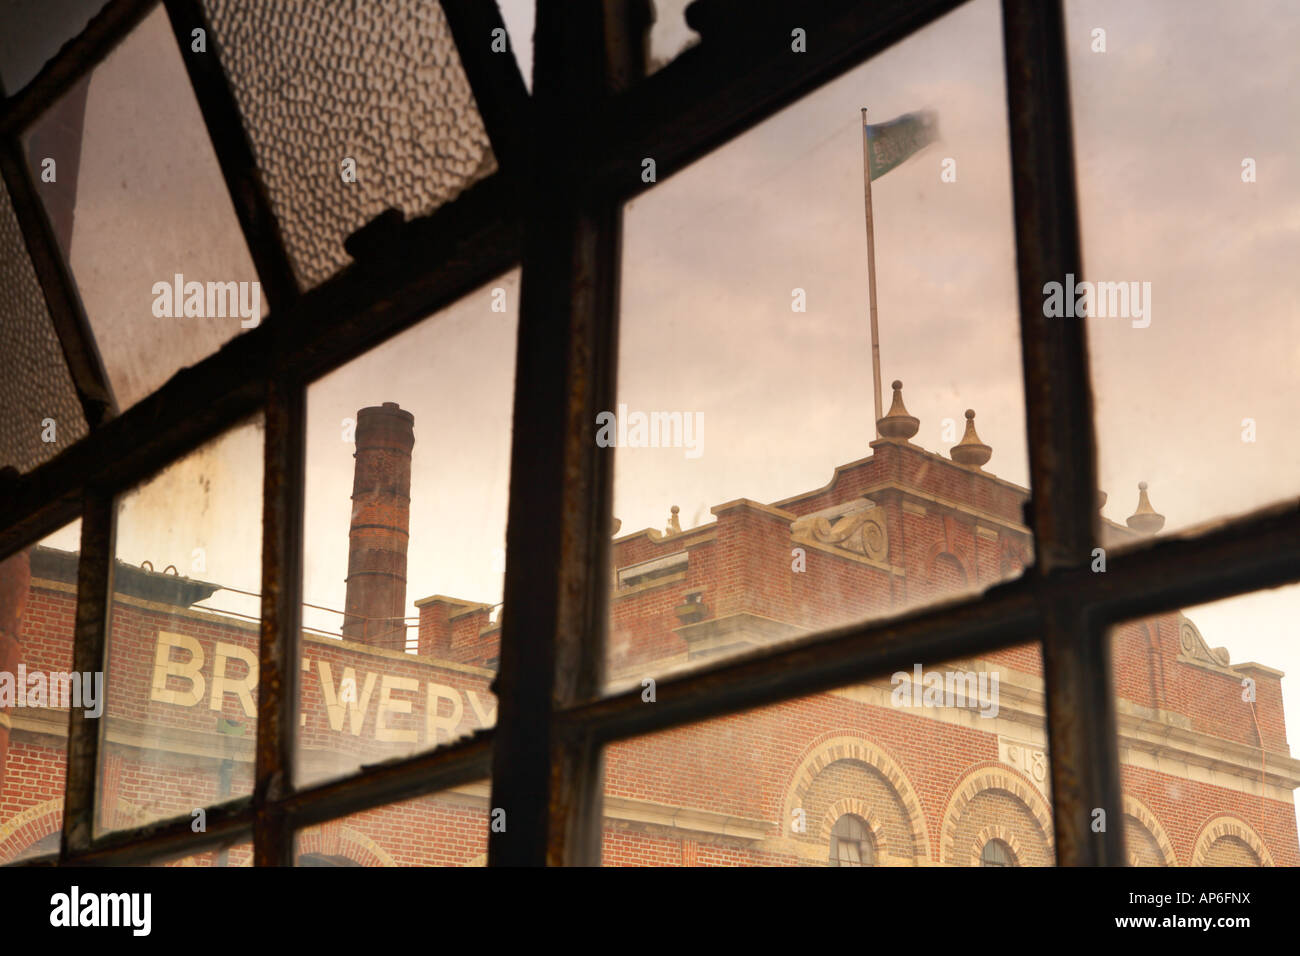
point(569, 158)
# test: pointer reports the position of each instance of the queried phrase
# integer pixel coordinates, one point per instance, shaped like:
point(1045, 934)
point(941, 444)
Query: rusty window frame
point(569, 158)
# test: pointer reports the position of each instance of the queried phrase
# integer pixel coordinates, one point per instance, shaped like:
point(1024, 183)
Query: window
point(465, 202)
point(851, 843)
point(997, 853)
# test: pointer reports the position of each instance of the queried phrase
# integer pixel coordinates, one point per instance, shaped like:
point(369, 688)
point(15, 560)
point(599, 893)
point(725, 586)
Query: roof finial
point(674, 526)
point(970, 450)
point(1145, 520)
point(898, 423)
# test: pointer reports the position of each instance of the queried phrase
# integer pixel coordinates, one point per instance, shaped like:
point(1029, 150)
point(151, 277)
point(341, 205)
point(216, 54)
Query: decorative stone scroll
point(1194, 646)
point(857, 527)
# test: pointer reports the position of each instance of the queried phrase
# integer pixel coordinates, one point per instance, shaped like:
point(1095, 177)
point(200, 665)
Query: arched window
point(44, 846)
point(851, 843)
point(997, 853)
point(321, 859)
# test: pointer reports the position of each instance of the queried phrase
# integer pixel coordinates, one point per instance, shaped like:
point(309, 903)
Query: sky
point(1164, 117)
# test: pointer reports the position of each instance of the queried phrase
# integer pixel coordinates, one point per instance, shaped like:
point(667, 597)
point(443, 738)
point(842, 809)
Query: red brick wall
point(743, 766)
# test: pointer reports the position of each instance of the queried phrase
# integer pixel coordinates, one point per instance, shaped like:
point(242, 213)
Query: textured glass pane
point(448, 828)
point(1186, 142)
point(755, 499)
point(38, 402)
point(1202, 700)
point(156, 250)
point(926, 766)
point(377, 83)
point(182, 673)
point(38, 596)
point(408, 465)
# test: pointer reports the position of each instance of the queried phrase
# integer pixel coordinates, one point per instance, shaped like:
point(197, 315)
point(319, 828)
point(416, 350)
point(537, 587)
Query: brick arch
point(995, 832)
point(851, 747)
point(31, 825)
point(1140, 812)
point(1224, 825)
point(332, 839)
point(954, 560)
point(991, 777)
point(943, 547)
point(862, 811)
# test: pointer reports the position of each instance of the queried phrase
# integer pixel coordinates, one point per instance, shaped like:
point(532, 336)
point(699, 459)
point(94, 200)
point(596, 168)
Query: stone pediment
point(855, 527)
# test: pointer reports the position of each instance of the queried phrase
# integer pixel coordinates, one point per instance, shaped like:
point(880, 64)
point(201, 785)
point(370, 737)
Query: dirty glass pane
point(182, 674)
point(1203, 700)
point(448, 828)
point(1185, 154)
point(408, 467)
point(38, 598)
point(238, 855)
point(941, 765)
point(754, 498)
point(131, 184)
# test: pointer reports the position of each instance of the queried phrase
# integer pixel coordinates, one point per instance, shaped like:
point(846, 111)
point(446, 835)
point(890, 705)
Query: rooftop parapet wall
point(459, 631)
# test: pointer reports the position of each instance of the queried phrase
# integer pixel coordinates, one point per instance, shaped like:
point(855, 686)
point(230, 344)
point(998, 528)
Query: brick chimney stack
point(378, 536)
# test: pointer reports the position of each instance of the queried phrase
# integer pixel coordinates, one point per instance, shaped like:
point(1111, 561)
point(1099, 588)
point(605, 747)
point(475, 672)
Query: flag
point(893, 142)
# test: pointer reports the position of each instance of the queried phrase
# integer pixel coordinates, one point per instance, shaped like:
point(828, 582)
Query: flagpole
point(871, 272)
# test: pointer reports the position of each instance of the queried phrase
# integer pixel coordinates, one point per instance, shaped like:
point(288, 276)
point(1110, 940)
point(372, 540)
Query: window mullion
point(1062, 456)
point(558, 531)
point(90, 634)
point(283, 494)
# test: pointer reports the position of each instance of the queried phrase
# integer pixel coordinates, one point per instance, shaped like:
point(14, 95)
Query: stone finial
point(1101, 499)
point(615, 525)
point(898, 423)
point(674, 526)
point(970, 450)
point(1145, 520)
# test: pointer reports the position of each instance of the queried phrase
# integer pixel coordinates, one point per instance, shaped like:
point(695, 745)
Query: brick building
point(944, 766)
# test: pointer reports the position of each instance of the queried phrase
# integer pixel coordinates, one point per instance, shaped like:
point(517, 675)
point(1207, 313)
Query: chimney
point(377, 538)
